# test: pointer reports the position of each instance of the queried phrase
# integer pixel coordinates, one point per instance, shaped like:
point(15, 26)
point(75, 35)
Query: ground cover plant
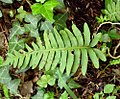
point(59, 49)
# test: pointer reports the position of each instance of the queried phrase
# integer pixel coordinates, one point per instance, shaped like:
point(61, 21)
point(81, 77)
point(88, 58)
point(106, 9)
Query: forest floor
point(80, 11)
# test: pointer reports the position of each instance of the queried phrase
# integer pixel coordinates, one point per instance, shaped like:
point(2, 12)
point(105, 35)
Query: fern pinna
point(63, 49)
point(112, 10)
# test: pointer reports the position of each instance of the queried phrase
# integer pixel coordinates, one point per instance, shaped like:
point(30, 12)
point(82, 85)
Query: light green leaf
point(6, 92)
point(96, 39)
point(21, 13)
point(46, 10)
point(1, 13)
point(111, 97)
point(1, 60)
point(13, 86)
point(109, 88)
point(98, 95)
point(94, 58)
point(84, 61)
point(100, 54)
point(49, 95)
point(42, 1)
point(77, 34)
point(7, 1)
point(45, 80)
point(64, 95)
point(4, 75)
point(86, 34)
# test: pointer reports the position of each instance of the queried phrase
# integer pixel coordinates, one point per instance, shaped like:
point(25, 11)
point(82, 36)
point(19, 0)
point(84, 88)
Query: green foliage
point(72, 84)
point(4, 75)
point(7, 1)
point(113, 34)
point(31, 26)
point(109, 88)
point(112, 10)
point(16, 30)
point(1, 14)
point(46, 79)
point(13, 86)
point(101, 19)
point(15, 44)
point(21, 13)
point(39, 95)
point(65, 85)
point(46, 25)
point(46, 9)
point(42, 1)
point(64, 95)
point(58, 49)
point(1, 60)
point(6, 92)
point(49, 95)
point(111, 97)
point(60, 21)
point(115, 62)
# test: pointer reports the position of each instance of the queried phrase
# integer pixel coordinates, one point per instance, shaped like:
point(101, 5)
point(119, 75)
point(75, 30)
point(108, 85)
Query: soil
point(82, 11)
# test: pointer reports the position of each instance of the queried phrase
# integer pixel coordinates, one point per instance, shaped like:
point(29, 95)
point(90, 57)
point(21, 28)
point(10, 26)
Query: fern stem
point(66, 87)
point(59, 49)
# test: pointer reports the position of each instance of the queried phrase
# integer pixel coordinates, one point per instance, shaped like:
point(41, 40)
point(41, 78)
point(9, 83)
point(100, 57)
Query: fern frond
point(64, 49)
point(115, 62)
point(112, 10)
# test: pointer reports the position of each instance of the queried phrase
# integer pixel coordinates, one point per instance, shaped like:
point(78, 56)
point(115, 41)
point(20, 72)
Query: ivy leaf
point(32, 19)
point(16, 29)
point(64, 95)
point(47, 9)
point(31, 27)
point(60, 22)
point(39, 95)
point(4, 75)
point(7, 1)
point(15, 44)
point(109, 88)
point(13, 86)
point(47, 25)
point(61, 5)
point(33, 32)
point(22, 13)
